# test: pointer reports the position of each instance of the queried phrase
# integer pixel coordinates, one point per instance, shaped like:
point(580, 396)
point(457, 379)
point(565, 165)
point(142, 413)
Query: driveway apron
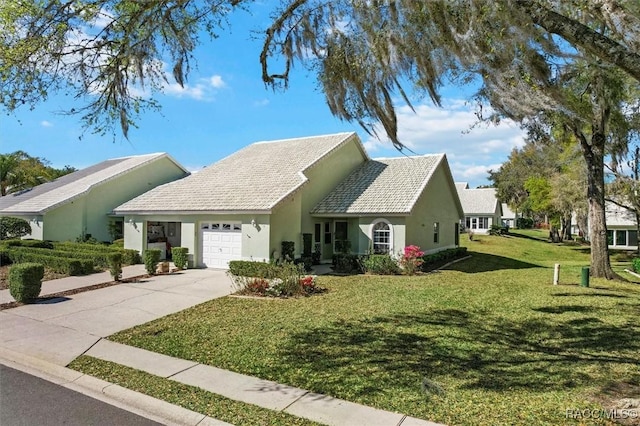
point(59, 330)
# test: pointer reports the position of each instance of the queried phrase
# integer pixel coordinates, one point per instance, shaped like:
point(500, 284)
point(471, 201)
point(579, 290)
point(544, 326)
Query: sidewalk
point(48, 336)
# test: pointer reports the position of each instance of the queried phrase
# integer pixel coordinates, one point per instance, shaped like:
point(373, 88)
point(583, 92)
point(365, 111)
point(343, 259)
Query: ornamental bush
point(25, 281)
point(380, 264)
point(411, 260)
point(13, 227)
point(151, 259)
point(636, 264)
point(115, 265)
point(180, 256)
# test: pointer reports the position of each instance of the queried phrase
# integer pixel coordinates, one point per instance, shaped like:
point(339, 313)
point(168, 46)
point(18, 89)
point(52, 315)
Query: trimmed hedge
point(380, 264)
point(115, 265)
point(180, 256)
point(25, 281)
point(131, 257)
point(443, 255)
point(151, 259)
point(28, 243)
point(62, 265)
point(247, 268)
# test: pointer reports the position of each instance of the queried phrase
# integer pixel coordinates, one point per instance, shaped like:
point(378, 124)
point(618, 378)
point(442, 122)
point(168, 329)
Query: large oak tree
point(526, 56)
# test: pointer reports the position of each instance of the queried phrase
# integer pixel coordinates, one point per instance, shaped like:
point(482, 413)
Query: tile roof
point(477, 201)
point(256, 178)
point(47, 196)
point(389, 186)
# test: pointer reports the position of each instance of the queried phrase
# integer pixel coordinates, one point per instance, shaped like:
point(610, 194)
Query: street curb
point(126, 399)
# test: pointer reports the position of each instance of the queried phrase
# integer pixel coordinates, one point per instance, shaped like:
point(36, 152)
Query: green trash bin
point(585, 277)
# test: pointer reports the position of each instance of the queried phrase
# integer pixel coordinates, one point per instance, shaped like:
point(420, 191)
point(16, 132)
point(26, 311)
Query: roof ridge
point(301, 137)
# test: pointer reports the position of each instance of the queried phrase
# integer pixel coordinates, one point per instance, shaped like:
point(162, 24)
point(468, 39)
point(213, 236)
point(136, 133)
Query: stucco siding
point(65, 223)
point(436, 205)
point(286, 225)
point(398, 230)
point(325, 176)
point(102, 199)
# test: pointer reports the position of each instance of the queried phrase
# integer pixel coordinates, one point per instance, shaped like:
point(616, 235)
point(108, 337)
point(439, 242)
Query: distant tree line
point(20, 171)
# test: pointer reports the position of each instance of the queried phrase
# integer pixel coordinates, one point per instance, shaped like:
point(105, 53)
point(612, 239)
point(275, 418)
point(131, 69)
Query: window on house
point(436, 232)
point(633, 238)
point(317, 233)
point(621, 238)
point(381, 238)
point(467, 222)
point(327, 233)
point(610, 238)
point(483, 223)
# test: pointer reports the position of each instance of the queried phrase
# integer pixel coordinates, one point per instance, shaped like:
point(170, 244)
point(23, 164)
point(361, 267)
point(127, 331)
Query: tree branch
point(580, 35)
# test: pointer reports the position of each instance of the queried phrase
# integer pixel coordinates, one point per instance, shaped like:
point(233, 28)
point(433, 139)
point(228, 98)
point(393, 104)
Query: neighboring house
point(509, 218)
point(481, 208)
point(622, 231)
point(247, 204)
point(81, 203)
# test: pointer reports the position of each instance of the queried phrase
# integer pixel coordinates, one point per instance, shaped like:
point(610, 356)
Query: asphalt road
point(29, 400)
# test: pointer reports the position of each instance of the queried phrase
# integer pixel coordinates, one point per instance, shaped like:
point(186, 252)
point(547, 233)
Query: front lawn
point(488, 341)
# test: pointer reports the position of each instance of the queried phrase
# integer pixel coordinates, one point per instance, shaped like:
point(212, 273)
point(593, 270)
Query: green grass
point(488, 341)
point(189, 397)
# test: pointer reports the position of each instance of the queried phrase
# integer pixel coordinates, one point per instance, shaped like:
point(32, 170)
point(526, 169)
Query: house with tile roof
point(82, 203)
point(481, 208)
point(316, 191)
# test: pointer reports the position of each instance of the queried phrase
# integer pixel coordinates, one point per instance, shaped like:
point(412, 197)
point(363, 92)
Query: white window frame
point(372, 235)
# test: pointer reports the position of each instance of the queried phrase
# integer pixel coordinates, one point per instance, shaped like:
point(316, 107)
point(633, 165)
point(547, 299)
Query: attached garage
point(221, 243)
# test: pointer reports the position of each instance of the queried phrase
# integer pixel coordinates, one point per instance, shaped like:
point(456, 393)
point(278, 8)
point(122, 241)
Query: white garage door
point(221, 242)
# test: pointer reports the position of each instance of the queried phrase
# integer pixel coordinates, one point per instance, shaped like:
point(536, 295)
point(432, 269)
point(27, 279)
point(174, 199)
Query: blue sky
point(225, 106)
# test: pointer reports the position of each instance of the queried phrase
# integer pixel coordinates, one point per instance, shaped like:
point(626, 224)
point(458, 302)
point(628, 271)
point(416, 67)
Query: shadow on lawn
point(488, 353)
point(482, 262)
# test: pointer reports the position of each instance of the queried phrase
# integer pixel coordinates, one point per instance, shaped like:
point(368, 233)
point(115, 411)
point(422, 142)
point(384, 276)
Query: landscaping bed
point(488, 340)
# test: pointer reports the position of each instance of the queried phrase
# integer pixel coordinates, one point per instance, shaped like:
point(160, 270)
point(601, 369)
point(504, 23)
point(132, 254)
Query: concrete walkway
point(48, 336)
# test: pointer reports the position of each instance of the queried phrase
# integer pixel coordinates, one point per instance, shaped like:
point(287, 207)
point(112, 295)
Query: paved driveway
point(62, 329)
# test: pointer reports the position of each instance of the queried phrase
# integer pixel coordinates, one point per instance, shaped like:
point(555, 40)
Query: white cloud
point(474, 148)
point(217, 82)
point(45, 123)
point(203, 90)
point(261, 103)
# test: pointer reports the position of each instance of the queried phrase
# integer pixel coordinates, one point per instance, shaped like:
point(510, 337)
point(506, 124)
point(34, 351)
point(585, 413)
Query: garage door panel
point(220, 243)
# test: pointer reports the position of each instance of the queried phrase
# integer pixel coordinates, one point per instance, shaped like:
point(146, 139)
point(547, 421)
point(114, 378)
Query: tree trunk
point(594, 157)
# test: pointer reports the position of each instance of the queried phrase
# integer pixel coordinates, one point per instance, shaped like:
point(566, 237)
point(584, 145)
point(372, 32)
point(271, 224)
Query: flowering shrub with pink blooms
point(411, 260)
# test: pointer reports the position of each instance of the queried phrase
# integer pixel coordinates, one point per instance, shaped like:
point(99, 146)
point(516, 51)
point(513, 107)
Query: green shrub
point(524, 223)
point(288, 250)
point(115, 265)
point(13, 227)
point(151, 259)
point(131, 257)
point(119, 243)
point(498, 230)
point(284, 280)
point(346, 263)
point(246, 268)
point(380, 264)
point(636, 264)
point(444, 255)
point(62, 265)
point(99, 259)
point(180, 256)
point(25, 281)
point(29, 243)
